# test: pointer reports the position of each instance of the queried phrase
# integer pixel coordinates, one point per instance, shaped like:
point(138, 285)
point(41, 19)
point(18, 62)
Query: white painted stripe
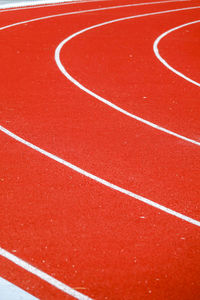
point(88, 1)
point(79, 170)
point(31, 268)
point(95, 10)
point(51, 280)
point(9, 291)
point(100, 180)
point(105, 101)
point(163, 61)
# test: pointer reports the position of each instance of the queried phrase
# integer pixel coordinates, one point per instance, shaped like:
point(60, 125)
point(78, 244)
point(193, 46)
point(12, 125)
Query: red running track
point(98, 241)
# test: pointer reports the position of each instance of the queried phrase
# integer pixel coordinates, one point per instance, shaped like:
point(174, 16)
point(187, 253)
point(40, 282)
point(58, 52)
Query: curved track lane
point(97, 230)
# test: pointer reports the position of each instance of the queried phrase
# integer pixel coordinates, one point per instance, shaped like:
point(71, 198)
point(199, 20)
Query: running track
point(71, 148)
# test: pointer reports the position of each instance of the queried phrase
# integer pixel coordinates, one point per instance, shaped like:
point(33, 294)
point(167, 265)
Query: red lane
point(94, 239)
point(136, 81)
point(9, 17)
point(123, 53)
point(181, 50)
point(43, 109)
point(37, 11)
point(32, 284)
point(97, 240)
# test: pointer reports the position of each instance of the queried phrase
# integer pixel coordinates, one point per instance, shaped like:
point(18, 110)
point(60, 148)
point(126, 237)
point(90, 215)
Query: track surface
point(99, 241)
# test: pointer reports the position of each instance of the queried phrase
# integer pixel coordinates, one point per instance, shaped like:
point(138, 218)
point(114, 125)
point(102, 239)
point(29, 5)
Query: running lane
point(182, 45)
point(94, 239)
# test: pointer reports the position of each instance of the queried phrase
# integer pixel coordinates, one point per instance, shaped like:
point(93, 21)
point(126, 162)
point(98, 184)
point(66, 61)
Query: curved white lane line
point(93, 10)
point(100, 180)
point(83, 172)
point(44, 276)
point(161, 59)
point(105, 101)
point(26, 265)
point(88, 1)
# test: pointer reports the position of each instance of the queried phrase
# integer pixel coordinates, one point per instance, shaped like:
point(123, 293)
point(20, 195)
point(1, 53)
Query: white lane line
point(52, 4)
point(163, 61)
point(51, 280)
point(88, 1)
point(105, 101)
point(9, 291)
point(89, 11)
point(79, 170)
point(26, 265)
point(95, 9)
point(100, 180)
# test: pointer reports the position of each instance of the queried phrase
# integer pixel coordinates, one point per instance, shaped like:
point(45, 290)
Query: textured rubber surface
point(100, 242)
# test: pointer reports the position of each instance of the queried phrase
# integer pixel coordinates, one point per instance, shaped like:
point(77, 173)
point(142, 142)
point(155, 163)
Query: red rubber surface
point(96, 240)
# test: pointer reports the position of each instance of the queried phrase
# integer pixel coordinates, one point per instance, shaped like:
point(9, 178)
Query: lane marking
point(51, 280)
point(77, 169)
point(100, 180)
point(105, 101)
point(87, 11)
point(88, 1)
point(9, 291)
point(163, 61)
point(26, 265)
